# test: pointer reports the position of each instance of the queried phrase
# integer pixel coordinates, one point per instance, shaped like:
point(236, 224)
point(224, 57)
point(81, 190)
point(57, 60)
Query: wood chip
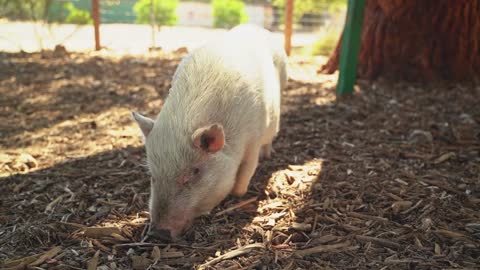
point(412, 208)
point(47, 255)
point(183, 261)
point(438, 249)
point(272, 205)
point(236, 206)
point(234, 253)
point(368, 217)
point(451, 234)
point(393, 196)
point(325, 239)
point(379, 241)
point(119, 237)
point(93, 262)
point(52, 204)
point(444, 158)
point(140, 262)
point(99, 232)
point(301, 226)
point(172, 254)
point(401, 206)
point(101, 246)
point(19, 187)
point(72, 225)
point(320, 249)
point(20, 263)
point(443, 186)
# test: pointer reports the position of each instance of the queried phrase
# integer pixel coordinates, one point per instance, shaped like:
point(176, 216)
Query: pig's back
point(232, 81)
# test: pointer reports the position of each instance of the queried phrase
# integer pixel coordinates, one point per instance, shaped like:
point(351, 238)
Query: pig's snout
point(160, 234)
point(170, 229)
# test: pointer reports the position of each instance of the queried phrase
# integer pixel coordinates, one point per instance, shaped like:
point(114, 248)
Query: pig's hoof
point(204, 213)
point(160, 234)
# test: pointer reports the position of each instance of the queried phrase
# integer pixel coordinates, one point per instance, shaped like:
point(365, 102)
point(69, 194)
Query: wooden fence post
point(288, 26)
point(96, 22)
point(152, 22)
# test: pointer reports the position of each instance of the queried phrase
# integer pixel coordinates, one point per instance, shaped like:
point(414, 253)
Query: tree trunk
point(418, 40)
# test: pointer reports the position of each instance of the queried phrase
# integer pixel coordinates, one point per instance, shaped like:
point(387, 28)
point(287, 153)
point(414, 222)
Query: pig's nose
point(160, 234)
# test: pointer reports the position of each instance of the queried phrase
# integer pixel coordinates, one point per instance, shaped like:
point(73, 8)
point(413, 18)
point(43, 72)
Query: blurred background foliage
point(164, 10)
point(228, 13)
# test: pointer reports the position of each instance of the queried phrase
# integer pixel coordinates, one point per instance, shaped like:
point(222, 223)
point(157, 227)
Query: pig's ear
point(145, 123)
point(210, 138)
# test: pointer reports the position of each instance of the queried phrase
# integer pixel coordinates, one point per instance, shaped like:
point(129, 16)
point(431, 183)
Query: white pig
point(222, 113)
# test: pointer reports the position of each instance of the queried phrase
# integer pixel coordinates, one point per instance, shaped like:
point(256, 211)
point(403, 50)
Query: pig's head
point(190, 172)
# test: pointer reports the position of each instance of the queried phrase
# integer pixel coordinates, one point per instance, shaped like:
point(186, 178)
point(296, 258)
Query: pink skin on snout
point(175, 223)
point(179, 218)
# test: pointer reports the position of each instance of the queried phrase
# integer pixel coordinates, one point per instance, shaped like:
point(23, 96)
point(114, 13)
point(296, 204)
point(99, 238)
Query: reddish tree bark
point(411, 39)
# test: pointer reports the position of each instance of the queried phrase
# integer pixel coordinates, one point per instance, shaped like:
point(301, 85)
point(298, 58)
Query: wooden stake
point(96, 22)
point(152, 21)
point(288, 26)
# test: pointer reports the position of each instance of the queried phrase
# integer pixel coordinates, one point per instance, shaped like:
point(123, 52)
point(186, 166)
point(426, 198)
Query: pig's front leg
point(246, 170)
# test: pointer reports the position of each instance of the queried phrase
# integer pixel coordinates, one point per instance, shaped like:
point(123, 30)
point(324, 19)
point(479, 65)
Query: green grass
point(325, 43)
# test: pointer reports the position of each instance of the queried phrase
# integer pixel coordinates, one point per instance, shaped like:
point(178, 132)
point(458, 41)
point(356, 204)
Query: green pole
point(350, 47)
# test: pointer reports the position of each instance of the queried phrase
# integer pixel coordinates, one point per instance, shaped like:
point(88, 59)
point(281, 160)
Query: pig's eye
point(195, 171)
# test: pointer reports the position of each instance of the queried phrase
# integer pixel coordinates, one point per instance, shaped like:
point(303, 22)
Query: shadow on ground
point(44, 89)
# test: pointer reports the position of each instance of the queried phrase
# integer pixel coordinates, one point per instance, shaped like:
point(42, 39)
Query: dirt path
point(385, 179)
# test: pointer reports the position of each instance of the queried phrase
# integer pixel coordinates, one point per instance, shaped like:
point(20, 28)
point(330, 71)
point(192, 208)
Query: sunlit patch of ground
point(387, 178)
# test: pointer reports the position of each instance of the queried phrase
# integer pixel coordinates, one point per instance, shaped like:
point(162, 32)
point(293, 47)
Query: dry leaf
point(155, 253)
point(140, 263)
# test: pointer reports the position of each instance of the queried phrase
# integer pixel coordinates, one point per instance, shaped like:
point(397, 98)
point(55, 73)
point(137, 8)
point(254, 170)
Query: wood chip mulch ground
point(388, 178)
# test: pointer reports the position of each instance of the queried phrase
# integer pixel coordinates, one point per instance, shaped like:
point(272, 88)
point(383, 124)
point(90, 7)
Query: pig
point(220, 117)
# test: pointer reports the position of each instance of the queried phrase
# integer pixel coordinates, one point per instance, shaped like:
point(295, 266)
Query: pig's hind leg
point(246, 170)
point(270, 134)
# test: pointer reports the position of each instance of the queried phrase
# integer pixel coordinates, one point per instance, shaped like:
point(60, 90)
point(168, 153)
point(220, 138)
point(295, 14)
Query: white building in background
point(201, 14)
